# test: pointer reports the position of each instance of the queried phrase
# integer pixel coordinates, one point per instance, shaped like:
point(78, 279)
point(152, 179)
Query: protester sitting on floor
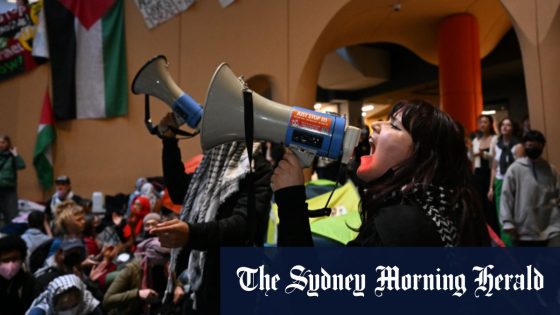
point(140, 286)
point(66, 294)
point(36, 233)
point(16, 285)
point(63, 193)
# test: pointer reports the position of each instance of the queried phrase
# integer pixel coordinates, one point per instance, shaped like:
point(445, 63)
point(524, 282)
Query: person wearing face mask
point(529, 208)
point(140, 286)
point(65, 295)
point(412, 198)
point(16, 285)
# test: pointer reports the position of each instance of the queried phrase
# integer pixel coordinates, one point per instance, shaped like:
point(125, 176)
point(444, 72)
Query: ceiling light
point(367, 108)
point(364, 114)
point(488, 112)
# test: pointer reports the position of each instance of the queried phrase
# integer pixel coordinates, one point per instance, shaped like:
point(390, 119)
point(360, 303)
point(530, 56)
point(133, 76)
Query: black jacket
point(17, 294)
point(395, 224)
point(230, 227)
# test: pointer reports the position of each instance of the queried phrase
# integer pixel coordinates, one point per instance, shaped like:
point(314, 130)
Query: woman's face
point(68, 302)
point(506, 128)
point(484, 124)
point(76, 224)
point(391, 145)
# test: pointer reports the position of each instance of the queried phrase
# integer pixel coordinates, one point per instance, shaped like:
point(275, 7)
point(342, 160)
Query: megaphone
point(154, 79)
point(306, 132)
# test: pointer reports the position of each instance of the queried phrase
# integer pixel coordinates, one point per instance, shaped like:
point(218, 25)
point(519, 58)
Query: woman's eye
point(395, 127)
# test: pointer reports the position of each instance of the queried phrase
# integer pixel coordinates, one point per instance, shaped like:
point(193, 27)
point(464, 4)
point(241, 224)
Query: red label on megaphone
point(309, 121)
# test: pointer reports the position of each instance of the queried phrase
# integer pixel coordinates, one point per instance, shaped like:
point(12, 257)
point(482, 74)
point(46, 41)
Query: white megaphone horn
point(154, 79)
point(306, 132)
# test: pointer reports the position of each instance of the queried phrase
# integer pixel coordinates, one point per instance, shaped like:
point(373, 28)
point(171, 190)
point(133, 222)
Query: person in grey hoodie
point(529, 210)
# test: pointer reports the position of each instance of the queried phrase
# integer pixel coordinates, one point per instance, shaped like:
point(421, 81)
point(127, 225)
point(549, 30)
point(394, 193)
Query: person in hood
point(529, 208)
point(65, 295)
point(16, 285)
point(140, 286)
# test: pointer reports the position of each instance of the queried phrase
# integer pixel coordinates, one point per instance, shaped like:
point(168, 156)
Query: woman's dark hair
point(491, 120)
point(13, 242)
point(439, 158)
point(36, 220)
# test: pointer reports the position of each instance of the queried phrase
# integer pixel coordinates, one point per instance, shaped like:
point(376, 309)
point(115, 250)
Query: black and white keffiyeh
point(215, 179)
point(59, 285)
point(436, 203)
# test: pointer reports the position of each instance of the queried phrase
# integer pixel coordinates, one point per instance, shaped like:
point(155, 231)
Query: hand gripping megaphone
point(306, 132)
point(154, 79)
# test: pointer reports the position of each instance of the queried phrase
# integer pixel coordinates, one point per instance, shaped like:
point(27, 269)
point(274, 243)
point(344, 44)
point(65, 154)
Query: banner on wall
point(17, 29)
point(156, 12)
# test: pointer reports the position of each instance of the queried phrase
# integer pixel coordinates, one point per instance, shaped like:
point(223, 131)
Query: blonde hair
point(65, 211)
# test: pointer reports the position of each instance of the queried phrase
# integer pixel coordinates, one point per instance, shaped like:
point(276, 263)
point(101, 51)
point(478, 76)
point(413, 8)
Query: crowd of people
point(421, 182)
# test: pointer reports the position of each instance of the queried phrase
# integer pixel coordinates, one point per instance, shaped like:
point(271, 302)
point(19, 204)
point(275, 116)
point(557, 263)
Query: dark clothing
point(9, 165)
point(482, 183)
point(17, 294)
point(229, 228)
point(395, 224)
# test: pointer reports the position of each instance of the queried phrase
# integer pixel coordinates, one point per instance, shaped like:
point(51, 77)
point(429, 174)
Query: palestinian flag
point(42, 157)
point(88, 60)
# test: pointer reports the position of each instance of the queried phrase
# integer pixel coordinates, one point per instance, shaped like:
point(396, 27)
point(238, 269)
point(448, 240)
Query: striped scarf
point(215, 179)
point(59, 285)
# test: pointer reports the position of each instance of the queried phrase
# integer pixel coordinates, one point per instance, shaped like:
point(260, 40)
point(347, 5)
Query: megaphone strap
point(249, 125)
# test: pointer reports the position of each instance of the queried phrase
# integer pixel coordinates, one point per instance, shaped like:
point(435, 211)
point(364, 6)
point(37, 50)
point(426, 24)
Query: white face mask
point(73, 311)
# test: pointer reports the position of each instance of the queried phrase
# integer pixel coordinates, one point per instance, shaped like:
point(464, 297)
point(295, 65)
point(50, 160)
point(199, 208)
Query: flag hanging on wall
point(88, 59)
point(46, 134)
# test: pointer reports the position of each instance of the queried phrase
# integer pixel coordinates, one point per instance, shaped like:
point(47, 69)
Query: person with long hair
point(506, 148)
point(418, 186)
point(482, 159)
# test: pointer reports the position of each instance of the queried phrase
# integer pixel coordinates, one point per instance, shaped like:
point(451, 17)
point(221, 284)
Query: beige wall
point(285, 40)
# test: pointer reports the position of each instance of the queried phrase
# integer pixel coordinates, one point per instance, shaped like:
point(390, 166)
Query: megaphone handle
point(305, 158)
point(147, 119)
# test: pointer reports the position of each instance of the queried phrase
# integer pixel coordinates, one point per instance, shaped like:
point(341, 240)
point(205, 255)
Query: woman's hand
point(490, 194)
point(147, 294)
point(14, 151)
point(288, 173)
point(172, 234)
point(98, 270)
point(178, 294)
point(164, 124)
